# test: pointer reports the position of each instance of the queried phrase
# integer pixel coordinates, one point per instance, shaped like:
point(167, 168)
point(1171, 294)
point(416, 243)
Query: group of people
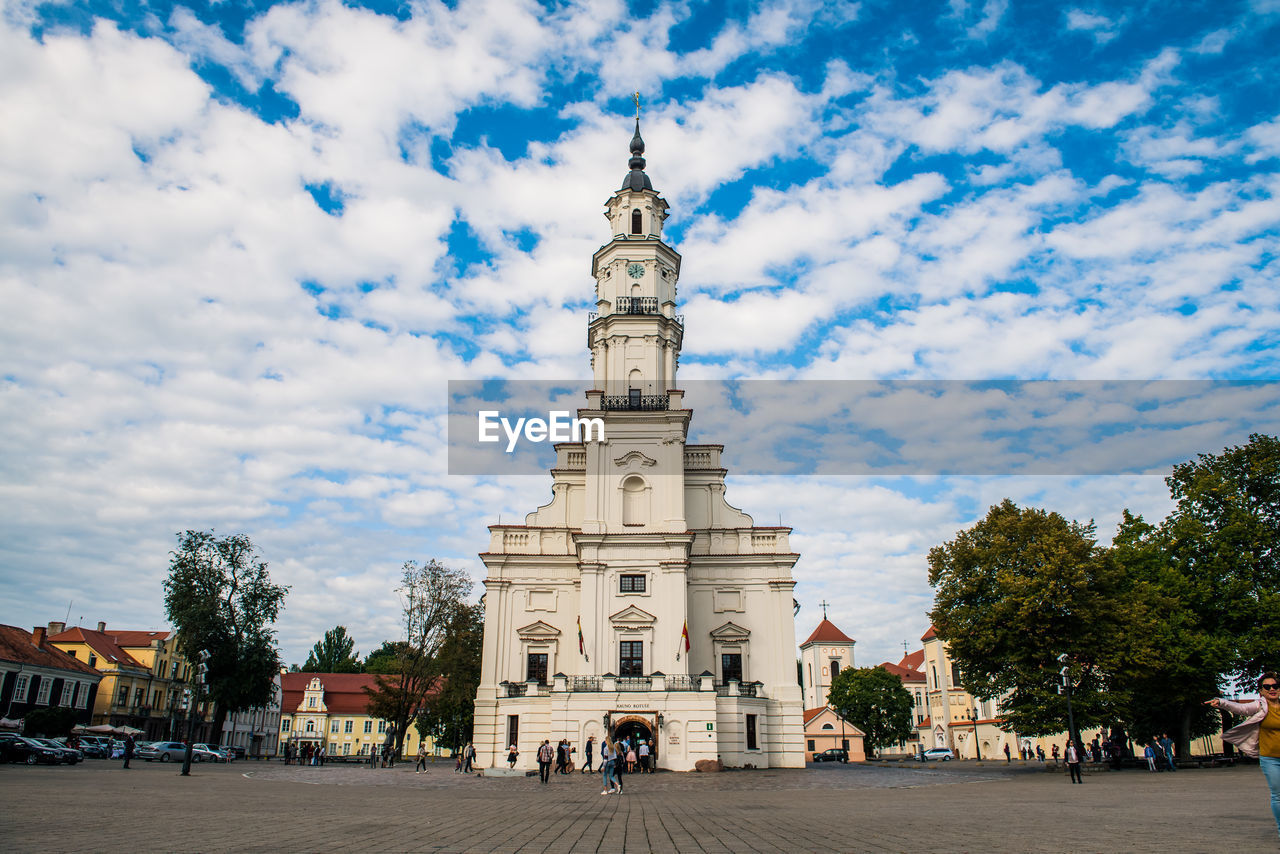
point(1159, 754)
point(628, 755)
point(306, 754)
point(466, 756)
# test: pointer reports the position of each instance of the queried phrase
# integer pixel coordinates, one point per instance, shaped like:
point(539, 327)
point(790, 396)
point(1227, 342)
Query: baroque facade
point(330, 712)
point(638, 601)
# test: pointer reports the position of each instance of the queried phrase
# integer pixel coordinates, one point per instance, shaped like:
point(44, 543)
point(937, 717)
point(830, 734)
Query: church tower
point(638, 602)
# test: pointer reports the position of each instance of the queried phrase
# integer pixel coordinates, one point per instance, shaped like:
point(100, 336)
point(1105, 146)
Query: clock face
point(636, 270)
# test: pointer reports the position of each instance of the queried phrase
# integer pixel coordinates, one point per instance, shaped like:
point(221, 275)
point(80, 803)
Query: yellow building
point(330, 711)
point(144, 678)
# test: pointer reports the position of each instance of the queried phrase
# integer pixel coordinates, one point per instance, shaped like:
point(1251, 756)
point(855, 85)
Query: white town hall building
point(638, 600)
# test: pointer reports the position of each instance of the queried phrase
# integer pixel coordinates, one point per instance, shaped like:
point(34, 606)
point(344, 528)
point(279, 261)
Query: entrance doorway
point(637, 731)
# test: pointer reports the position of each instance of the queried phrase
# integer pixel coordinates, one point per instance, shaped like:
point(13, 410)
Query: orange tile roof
point(16, 645)
point(139, 638)
point(931, 634)
point(103, 643)
point(826, 632)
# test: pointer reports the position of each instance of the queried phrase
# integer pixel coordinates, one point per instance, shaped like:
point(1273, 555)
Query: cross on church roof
point(823, 603)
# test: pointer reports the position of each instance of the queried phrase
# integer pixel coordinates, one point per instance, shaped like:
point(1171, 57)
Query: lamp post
point(973, 718)
point(1065, 672)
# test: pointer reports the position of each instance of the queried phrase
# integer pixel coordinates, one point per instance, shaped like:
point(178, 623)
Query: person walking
point(468, 757)
point(1072, 755)
point(1166, 744)
point(545, 755)
point(421, 764)
point(128, 750)
point(1040, 752)
point(1259, 735)
point(562, 756)
point(1008, 758)
point(590, 748)
point(644, 757)
point(608, 764)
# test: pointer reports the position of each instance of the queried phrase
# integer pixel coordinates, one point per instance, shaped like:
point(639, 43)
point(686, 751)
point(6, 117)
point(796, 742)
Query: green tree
point(432, 594)
point(220, 598)
point(335, 653)
point(386, 658)
point(448, 713)
point(52, 722)
point(1223, 541)
point(875, 701)
point(1022, 587)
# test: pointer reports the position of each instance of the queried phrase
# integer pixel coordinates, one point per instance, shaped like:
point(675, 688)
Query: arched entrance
point(637, 729)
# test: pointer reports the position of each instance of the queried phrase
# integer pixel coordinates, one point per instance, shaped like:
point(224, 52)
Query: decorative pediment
point(730, 633)
point(632, 617)
point(634, 458)
point(538, 631)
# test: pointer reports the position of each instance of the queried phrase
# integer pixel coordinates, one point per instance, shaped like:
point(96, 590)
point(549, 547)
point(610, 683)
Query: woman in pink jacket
point(1259, 735)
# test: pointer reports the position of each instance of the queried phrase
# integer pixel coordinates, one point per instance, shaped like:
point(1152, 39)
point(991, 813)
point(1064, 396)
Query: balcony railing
point(683, 683)
point(634, 683)
point(635, 402)
point(744, 689)
point(637, 305)
point(584, 683)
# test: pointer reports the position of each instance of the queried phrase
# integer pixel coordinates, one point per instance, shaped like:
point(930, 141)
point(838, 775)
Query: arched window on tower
point(637, 222)
point(635, 501)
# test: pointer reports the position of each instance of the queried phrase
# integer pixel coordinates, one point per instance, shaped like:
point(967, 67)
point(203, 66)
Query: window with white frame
point(42, 693)
point(20, 688)
point(368, 726)
point(333, 727)
point(382, 726)
point(284, 724)
point(349, 726)
point(68, 691)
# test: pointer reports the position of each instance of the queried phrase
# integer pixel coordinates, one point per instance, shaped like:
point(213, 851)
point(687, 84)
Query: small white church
point(638, 601)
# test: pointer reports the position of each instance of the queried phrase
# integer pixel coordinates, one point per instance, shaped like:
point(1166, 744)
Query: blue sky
point(244, 247)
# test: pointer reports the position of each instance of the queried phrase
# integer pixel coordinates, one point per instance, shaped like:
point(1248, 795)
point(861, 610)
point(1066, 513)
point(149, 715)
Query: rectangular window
point(139, 696)
point(631, 661)
point(68, 691)
point(284, 724)
point(630, 583)
point(731, 666)
point(346, 748)
point(751, 733)
point(20, 688)
point(311, 702)
point(368, 726)
point(513, 729)
point(93, 659)
point(122, 698)
point(333, 727)
point(382, 726)
point(348, 726)
point(536, 668)
point(812, 746)
point(42, 693)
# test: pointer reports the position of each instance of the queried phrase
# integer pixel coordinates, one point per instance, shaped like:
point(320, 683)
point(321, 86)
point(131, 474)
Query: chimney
point(56, 628)
point(102, 625)
point(37, 636)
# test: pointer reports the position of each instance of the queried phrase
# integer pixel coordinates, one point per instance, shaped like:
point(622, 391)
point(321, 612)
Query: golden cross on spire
point(636, 97)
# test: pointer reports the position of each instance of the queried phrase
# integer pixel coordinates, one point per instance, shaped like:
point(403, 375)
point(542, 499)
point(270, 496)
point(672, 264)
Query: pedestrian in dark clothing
point(1072, 755)
point(1166, 744)
point(1007, 757)
point(591, 745)
point(545, 755)
point(128, 749)
point(468, 756)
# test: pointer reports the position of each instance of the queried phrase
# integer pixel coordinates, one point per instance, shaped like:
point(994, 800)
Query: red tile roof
point(826, 632)
point(344, 693)
point(103, 643)
point(903, 673)
point(139, 638)
point(931, 634)
point(913, 660)
point(16, 645)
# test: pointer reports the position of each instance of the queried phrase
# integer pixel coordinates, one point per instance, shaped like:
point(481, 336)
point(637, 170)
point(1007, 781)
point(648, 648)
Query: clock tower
point(634, 334)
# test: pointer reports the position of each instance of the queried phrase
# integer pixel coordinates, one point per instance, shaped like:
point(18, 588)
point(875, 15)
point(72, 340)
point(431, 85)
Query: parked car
point(164, 751)
point(832, 754)
point(16, 748)
point(209, 753)
point(942, 754)
point(94, 747)
point(69, 755)
point(237, 752)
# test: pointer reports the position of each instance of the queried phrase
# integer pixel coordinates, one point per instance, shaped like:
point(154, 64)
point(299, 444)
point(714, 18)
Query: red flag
point(684, 635)
point(582, 646)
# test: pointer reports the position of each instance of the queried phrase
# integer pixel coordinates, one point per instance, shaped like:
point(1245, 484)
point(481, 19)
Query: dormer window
point(637, 221)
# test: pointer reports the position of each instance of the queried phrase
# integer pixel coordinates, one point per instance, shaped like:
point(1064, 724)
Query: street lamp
point(973, 718)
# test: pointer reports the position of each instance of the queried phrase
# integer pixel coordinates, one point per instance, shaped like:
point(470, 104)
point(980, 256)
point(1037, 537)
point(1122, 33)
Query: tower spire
point(636, 179)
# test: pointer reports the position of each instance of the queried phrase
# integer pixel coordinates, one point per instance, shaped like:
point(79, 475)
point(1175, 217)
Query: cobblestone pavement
point(250, 806)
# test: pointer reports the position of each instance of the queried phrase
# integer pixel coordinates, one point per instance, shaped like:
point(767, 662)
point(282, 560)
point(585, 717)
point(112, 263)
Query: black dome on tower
point(636, 179)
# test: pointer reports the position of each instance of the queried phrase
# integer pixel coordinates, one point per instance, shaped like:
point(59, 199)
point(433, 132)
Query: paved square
point(251, 806)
